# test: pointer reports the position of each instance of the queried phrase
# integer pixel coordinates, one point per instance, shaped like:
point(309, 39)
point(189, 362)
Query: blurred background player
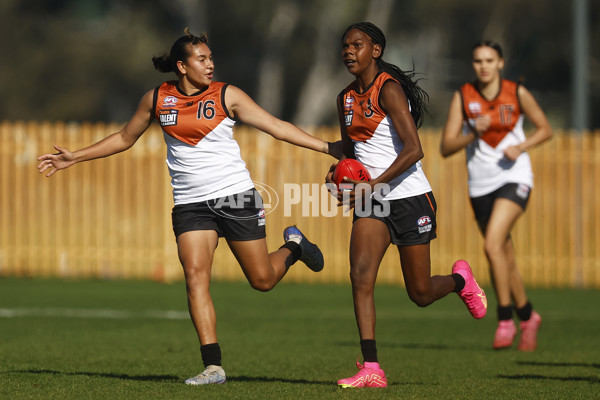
point(213, 193)
point(486, 118)
point(379, 113)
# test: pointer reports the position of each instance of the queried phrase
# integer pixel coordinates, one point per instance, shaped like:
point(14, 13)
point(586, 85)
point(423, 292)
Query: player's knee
point(420, 298)
point(492, 248)
point(359, 278)
point(195, 276)
point(262, 283)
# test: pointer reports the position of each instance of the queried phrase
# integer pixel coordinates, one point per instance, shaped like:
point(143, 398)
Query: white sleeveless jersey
point(376, 142)
point(488, 168)
point(203, 158)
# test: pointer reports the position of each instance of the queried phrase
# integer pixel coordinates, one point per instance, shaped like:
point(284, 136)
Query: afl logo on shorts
point(424, 221)
point(169, 101)
point(424, 224)
point(522, 191)
point(261, 217)
point(475, 107)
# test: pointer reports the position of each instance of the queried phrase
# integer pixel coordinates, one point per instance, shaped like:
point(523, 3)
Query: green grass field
point(134, 340)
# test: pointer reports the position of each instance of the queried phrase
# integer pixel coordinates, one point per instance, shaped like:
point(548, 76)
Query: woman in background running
point(486, 119)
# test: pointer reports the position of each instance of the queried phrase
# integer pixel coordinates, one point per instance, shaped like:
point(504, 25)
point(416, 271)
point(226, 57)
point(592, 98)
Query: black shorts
point(237, 217)
point(410, 221)
point(482, 205)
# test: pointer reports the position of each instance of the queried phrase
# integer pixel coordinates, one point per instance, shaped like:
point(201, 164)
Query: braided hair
point(179, 51)
point(416, 96)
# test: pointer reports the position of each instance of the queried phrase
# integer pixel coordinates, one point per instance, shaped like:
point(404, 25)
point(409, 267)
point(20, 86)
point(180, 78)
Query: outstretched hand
point(61, 160)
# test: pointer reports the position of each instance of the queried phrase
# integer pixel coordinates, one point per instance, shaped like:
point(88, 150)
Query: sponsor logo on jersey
point(424, 224)
point(169, 101)
point(475, 107)
point(348, 113)
point(348, 118)
point(168, 117)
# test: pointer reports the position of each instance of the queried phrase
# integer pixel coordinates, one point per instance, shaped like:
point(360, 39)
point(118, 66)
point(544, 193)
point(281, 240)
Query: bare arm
point(453, 139)
point(394, 102)
point(543, 130)
point(345, 146)
point(247, 111)
point(115, 143)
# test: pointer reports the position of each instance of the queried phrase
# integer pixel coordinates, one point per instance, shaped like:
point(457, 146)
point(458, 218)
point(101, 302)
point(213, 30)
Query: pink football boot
point(472, 295)
point(369, 375)
point(505, 334)
point(529, 330)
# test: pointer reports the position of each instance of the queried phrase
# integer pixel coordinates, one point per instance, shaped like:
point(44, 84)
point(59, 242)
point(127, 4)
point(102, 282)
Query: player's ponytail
point(179, 52)
point(416, 96)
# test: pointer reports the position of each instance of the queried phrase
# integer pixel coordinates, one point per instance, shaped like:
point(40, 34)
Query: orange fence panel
point(111, 218)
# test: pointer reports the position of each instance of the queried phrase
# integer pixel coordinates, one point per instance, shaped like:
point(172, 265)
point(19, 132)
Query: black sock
point(211, 354)
point(296, 252)
point(369, 350)
point(504, 313)
point(524, 313)
point(459, 282)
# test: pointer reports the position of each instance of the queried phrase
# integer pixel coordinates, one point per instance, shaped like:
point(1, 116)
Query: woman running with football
point(213, 193)
point(486, 119)
point(379, 113)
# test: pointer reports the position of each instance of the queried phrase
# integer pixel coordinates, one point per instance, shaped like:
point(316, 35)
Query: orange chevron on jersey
point(190, 118)
point(504, 110)
point(362, 114)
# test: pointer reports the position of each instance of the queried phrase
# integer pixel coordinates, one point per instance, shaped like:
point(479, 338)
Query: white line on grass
point(91, 313)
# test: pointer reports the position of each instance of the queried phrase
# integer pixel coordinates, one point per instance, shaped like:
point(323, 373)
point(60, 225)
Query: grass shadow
point(410, 346)
point(559, 364)
point(244, 378)
point(143, 378)
point(591, 379)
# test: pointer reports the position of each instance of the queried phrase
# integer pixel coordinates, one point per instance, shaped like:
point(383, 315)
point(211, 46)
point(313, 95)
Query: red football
point(352, 169)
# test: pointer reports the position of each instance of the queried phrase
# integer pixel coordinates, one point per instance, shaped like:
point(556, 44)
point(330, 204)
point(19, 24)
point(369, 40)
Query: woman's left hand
point(512, 152)
point(352, 190)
